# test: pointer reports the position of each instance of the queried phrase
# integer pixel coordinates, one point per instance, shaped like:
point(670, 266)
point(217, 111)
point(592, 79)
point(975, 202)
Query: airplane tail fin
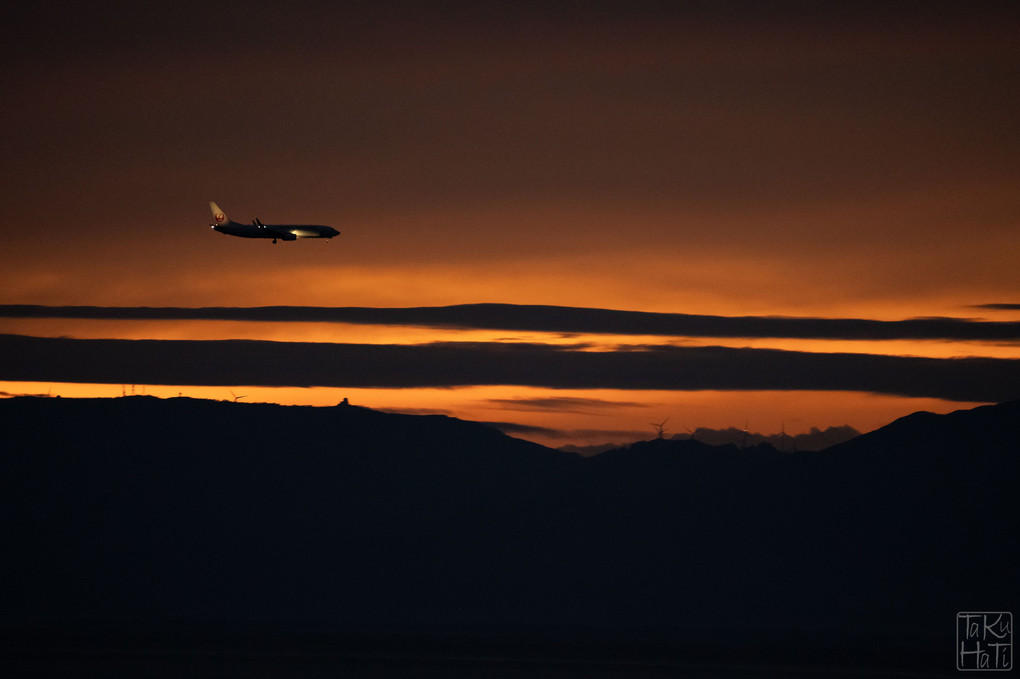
point(218, 215)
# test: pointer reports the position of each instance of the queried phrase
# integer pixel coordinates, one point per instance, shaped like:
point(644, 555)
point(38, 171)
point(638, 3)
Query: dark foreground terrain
point(183, 537)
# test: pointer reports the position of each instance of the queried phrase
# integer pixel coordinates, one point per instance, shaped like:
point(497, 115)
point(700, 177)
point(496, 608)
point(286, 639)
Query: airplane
point(257, 229)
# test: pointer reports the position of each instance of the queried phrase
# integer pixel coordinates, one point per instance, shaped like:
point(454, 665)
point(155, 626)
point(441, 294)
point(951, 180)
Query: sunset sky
point(856, 161)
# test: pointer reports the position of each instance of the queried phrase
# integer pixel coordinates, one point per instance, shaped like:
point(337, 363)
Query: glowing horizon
point(605, 416)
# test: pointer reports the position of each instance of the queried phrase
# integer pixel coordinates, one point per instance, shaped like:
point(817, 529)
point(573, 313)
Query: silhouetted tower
point(660, 428)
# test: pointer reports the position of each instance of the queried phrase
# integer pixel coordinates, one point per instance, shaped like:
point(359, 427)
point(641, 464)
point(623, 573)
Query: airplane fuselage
point(281, 231)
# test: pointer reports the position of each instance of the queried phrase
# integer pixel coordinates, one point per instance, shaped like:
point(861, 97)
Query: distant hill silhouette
point(815, 439)
point(213, 515)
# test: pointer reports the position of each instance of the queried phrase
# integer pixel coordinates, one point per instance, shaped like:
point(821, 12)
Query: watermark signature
point(984, 641)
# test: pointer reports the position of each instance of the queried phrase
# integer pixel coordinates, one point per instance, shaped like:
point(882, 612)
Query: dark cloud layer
point(559, 319)
point(452, 364)
point(999, 307)
point(558, 404)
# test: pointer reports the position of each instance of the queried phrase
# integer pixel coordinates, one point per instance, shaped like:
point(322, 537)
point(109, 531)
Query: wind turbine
point(236, 397)
point(660, 427)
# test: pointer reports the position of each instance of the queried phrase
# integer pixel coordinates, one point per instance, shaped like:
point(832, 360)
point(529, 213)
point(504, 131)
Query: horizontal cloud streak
point(559, 404)
point(998, 307)
point(452, 364)
point(558, 319)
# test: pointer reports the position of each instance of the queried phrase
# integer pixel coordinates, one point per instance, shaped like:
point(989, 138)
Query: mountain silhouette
point(144, 513)
point(815, 439)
